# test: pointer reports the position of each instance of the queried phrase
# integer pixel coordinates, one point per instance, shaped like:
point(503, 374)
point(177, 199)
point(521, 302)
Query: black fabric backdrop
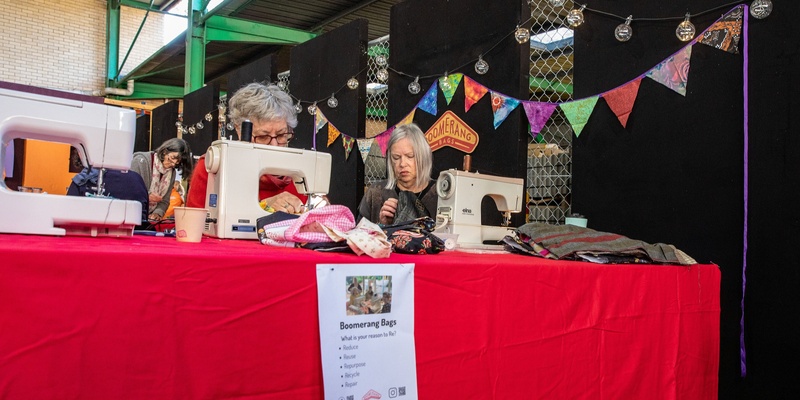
point(676, 174)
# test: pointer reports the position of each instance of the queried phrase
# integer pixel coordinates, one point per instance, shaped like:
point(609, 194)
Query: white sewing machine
point(460, 195)
point(234, 169)
point(104, 138)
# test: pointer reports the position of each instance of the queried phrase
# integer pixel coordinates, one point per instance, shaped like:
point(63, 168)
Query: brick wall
point(60, 44)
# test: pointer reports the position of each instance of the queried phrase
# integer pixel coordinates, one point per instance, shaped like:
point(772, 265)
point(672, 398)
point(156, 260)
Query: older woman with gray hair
point(406, 193)
point(273, 116)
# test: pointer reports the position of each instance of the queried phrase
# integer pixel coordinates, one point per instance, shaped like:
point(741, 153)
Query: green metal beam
point(143, 90)
point(194, 77)
point(112, 42)
point(227, 29)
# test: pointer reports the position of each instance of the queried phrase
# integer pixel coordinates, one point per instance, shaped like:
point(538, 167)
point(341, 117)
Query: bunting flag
point(428, 102)
point(502, 106)
point(320, 120)
point(725, 33)
point(621, 100)
point(363, 147)
point(383, 139)
point(674, 72)
point(578, 112)
point(449, 84)
point(538, 114)
point(333, 133)
point(473, 92)
point(408, 118)
point(347, 143)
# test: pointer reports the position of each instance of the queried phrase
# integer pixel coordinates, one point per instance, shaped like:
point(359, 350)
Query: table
point(152, 318)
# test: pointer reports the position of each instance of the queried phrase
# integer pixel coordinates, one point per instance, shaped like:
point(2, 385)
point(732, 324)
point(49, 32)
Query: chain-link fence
point(548, 186)
point(550, 151)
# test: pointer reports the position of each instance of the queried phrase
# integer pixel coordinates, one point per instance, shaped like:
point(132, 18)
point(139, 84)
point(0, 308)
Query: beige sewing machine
point(459, 207)
point(104, 138)
point(234, 169)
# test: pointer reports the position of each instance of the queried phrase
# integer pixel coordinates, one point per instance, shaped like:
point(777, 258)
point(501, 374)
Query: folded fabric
point(366, 238)
point(574, 242)
point(308, 227)
point(414, 237)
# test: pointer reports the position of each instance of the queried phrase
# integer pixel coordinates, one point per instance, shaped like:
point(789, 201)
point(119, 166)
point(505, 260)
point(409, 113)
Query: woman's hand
point(286, 202)
point(154, 217)
point(388, 209)
point(154, 198)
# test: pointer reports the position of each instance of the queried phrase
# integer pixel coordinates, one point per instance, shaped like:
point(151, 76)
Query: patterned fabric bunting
point(674, 72)
point(408, 118)
point(453, 81)
point(724, 34)
point(333, 133)
point(320, 120)
point(473, 91)
point(428, 102)
point(502, 106)
point(538, 114)
point(347, 143)
point(363, 147)
point(578, 112)
point(383, 139)
point(621, 100)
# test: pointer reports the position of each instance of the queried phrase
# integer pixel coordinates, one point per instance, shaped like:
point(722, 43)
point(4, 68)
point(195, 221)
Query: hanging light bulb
point(178, 124)
point(445, 83)
point(575, 17)
point(312, 109)
point(209, 117)
point(229, 126)
point(522, 35)
point(191, 130)
point(557, 3)
point(382, 75)
point(760, 9)
point(352, 83)
point(624, 31)
point(199, 125)
point(298, 108)
point(481, 67)
point(282, 85)
point(332, 102)
point(414, 87)
point(381, 60)
point(685, 30)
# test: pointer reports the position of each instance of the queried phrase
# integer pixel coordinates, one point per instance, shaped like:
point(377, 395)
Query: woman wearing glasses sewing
point(158, 169)
point(273, 116)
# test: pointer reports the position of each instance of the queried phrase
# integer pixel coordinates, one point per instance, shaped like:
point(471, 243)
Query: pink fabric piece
point(308, 227)
point(621, 100)
point(383, 139)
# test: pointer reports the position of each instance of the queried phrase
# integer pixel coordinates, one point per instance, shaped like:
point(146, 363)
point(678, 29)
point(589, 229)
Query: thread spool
point(467, 162)
point(246, 134)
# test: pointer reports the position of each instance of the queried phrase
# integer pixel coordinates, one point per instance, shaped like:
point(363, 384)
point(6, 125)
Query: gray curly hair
point(257, 101)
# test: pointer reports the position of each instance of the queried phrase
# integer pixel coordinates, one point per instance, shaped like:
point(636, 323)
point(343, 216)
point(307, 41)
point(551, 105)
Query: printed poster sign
point(366, 326)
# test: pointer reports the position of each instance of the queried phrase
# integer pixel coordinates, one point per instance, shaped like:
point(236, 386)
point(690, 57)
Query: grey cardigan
point(376, 194)
point(142, 164)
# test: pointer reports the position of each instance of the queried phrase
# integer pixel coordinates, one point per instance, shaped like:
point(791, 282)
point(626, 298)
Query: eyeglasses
point(280, 139)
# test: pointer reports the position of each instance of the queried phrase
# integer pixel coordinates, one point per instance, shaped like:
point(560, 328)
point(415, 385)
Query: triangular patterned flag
point(674, 72)
point(333, 133)
point(449, 84)
point(724, 34)
point(621, 100)
point(502, 106)
point(578, 112)
point(347, 143)
point(473, 91)
point(320, 120)
point(363, 147)
point(538, 114)
point(383, 139)
point(408, 118)
point(428, 102)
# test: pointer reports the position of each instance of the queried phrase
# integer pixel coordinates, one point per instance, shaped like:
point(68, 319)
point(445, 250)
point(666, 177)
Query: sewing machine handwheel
point(445, 185)
point(212, 160)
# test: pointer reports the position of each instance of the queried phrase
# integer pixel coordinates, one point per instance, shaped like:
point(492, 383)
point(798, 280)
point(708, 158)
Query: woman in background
point(406, 194)
point(158, 170)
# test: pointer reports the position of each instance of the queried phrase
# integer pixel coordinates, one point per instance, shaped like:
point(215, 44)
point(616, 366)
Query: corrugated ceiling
point(318, 16)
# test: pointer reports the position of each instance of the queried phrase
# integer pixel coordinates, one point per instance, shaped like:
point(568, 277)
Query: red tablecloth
point(151, 318)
